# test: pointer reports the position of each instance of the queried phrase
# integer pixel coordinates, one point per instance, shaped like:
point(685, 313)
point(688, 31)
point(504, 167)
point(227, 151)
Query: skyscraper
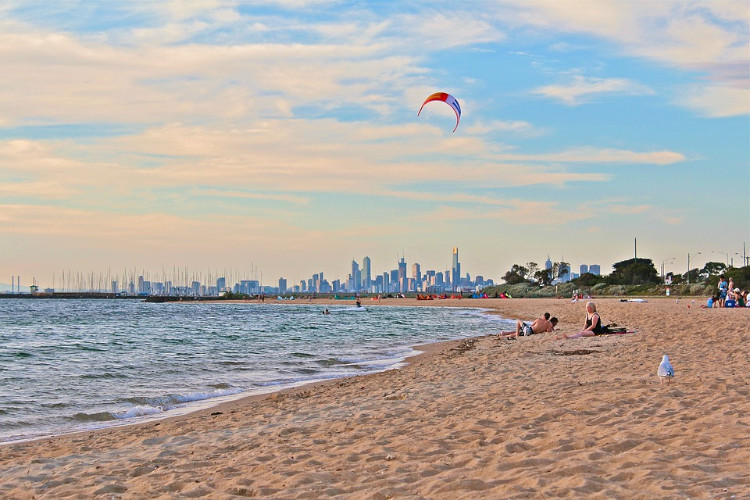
point(595, 269)
point(416, 273)
point(366, 276)
point(584, 269)
point(282, 285)
point(402, 278)
point(356, 277)
point(456, 270)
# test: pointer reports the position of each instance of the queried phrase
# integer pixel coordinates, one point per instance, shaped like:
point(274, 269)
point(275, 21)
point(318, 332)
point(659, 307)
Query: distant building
point(455, 270)
point(402, 278)
point(584, 269)
point(366, 274)
point(548, 263)
point(594, 269)
point(564, 273)
point(221, 284)
point(282, 285)
point(355, 279)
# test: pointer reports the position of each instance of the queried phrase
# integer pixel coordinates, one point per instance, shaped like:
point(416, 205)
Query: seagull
point(665, 370)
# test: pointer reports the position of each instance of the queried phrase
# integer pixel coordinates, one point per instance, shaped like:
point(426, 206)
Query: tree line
point(634, 271)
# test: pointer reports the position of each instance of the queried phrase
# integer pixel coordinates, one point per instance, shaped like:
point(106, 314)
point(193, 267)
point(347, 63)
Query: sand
point(483, 418)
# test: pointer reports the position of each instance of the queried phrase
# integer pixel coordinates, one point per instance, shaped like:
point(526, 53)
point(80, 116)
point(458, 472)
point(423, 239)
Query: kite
point(448, 99)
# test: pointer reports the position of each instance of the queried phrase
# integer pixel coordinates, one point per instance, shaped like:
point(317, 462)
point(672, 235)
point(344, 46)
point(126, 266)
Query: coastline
point(466, 418)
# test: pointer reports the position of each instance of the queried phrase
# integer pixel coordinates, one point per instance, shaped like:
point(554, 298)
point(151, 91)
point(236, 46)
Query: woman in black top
point(593, 325)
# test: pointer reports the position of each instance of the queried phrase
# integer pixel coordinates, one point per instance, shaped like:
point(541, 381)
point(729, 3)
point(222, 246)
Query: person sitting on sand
point(540, 325)
point(742, 299)
point(712, 302)
point(592, 326)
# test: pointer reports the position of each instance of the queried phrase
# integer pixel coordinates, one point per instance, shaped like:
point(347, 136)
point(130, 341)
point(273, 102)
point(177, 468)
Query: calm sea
point(68, 365)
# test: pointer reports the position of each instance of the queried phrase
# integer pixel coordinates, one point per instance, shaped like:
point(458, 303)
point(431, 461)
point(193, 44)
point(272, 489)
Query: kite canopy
point(448, 99)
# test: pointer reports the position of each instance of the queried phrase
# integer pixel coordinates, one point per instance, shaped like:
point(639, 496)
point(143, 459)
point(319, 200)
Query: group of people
point(728, 295)
point(591, 327)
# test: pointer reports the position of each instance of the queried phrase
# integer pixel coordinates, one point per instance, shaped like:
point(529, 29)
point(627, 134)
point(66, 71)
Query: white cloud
point(601, 155)
point(710, 37)
point(716, 100)
point(582, 89)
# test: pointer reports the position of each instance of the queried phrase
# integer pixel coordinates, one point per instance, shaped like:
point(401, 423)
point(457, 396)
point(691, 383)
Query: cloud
point(601, 155)
point(709, 37)
point(583, 89)
point(716, 101)
point(513, 212)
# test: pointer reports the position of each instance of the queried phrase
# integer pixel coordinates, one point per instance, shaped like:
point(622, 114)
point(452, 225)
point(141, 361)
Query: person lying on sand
point(540, 325)
point(592, 326)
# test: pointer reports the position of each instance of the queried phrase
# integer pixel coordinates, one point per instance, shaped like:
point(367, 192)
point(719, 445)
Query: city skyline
point(284, 136)
point(186, 278)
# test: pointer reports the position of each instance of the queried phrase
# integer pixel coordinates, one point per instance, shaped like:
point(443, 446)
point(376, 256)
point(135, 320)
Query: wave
point(170, 401)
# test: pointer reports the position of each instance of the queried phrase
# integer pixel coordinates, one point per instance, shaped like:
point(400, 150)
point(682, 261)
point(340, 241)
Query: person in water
point(359, 304)
point(592, 326)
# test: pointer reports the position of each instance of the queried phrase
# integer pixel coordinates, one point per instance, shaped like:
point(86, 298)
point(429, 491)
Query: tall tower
point(366, 276)
point(416, 273)
point(356, 276)
point(455, 270)
point(402, 278)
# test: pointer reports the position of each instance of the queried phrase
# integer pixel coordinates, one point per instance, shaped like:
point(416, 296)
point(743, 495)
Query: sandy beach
point(479, 418)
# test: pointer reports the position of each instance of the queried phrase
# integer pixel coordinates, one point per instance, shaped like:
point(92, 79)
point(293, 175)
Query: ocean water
point(69, 365)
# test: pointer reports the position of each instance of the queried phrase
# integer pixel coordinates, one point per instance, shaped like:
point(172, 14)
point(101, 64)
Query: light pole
point(666, 261)
point(723, 253)
point(688, 272)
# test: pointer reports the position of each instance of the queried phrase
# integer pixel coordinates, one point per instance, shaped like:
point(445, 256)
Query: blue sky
point(283, 135)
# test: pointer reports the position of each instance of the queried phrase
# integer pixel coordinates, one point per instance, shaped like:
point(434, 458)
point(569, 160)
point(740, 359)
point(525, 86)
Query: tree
point(516, 275)
point(562, 269)
point(712, 269)
point(544, 277)
point(693, 276)
point(533, 268)
point(588, 279)
point(634, 272)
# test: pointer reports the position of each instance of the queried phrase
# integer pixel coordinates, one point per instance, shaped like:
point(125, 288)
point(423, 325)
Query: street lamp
point(666, 261)
point(688, 272)
point(722, 253)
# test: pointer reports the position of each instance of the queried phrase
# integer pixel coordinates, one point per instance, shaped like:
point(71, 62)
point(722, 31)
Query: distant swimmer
point(326, 311)
point(359, 304)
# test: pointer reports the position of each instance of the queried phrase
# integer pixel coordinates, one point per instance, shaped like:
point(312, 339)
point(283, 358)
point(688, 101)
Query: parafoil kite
point(448, 99)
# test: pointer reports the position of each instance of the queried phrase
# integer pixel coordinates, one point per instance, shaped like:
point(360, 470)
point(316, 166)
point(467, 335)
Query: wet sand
point(478, 418)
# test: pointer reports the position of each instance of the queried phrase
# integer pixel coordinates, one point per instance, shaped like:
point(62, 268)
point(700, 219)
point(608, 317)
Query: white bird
point(665, 370)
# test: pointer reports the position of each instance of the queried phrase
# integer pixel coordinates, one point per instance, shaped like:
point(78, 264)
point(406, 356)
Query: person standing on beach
point(592, 326)
point(540, 325)
point(723, 289)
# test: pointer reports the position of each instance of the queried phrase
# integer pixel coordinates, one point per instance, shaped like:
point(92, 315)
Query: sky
point(281, 138)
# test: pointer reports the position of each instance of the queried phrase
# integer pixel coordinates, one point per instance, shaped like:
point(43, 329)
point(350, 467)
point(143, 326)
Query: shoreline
point(468, 418)
point(260, 391)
